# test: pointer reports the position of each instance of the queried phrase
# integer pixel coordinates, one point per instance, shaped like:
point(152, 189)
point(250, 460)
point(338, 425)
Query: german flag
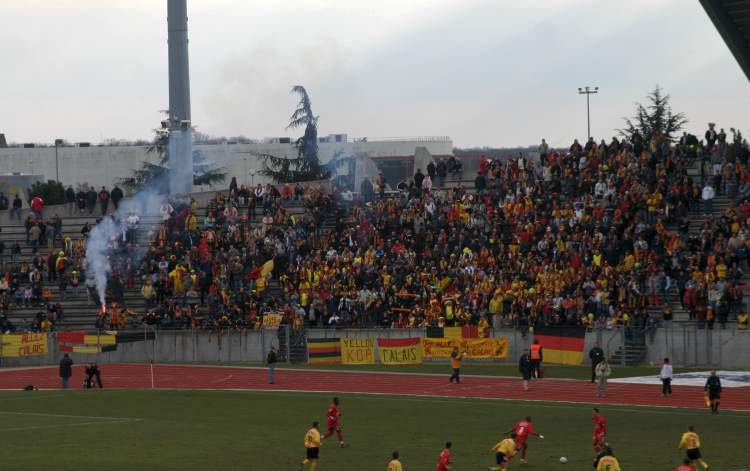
point(563, 345)
point(323, 351)
point(81, 342)
point(463, 332)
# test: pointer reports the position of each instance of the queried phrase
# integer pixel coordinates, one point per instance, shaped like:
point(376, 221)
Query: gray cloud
point(481, 71)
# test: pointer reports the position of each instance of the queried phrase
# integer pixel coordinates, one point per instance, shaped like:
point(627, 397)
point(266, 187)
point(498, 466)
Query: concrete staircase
point(697, 220)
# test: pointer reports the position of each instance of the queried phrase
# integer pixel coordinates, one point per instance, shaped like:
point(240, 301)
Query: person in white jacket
point(603, 371)
point(707, 195)
point(666, 378)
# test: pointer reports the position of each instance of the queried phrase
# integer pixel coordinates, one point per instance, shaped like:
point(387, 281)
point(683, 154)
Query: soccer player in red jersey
point(333, 416)
point(685, 466)
point(523, 429)
point(599, 437)
point(444, 463)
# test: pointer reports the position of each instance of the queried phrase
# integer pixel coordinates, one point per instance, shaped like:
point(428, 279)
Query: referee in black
point(713, 389)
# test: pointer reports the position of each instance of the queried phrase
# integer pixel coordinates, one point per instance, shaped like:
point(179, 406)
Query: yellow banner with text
point(474, 348)
point(23, 345)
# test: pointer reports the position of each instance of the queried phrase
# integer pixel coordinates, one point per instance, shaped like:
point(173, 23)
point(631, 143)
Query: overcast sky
point(485, 72)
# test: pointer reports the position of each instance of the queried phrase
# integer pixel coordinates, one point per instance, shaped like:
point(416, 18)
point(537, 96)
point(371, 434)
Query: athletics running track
point(483, 387)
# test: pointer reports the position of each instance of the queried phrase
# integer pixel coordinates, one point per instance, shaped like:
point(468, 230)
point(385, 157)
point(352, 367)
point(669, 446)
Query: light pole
point(58, 143)
point(252, 178)
point(588, 91)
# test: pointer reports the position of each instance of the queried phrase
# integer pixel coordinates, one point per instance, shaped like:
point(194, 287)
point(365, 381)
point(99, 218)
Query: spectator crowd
point(600, 235)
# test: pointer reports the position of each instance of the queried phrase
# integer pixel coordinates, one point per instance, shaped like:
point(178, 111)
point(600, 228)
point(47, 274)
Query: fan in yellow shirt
point(608, 462)
point(395, 464)
point(504, 451)
point(312, 444)
point(691, 443)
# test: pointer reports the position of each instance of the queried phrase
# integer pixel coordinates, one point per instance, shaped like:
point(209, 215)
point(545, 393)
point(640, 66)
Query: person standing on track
point(333, 416)
point(666, 378)
point(271, 360)
point(312, 446)
point(713, 389)
point(536, 359)
point(521, 432)
point(395, 463)
point(691, 443)
point(603, 371)
point(596, 355)
point(599, 437)
point(456, 358)
point(525, 367)
point(444, 462)
point(66, 370)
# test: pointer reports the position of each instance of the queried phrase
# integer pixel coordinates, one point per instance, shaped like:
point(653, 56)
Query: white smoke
point(180, 152)
point(109, 233)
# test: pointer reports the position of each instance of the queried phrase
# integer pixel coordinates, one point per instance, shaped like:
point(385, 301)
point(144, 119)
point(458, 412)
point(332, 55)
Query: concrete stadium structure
point(106, 165)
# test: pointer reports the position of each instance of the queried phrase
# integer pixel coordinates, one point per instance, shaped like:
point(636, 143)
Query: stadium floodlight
point(587, 90)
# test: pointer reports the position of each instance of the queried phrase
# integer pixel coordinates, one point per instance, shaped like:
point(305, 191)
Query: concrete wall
point(170, 347)
point(684, 346)
point(728, 348)
point(105, 165)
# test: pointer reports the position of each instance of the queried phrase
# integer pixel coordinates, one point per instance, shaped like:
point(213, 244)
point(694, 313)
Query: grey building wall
point(685, 346)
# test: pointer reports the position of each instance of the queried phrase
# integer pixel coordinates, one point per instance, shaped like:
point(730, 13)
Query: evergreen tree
point(157, 174)
point(306, 166)
point(656, 119)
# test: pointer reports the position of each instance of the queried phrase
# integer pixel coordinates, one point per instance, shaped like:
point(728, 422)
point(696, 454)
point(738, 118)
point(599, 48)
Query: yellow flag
point(267, 268)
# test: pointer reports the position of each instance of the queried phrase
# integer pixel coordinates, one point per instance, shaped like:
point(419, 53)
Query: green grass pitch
point(186, 430)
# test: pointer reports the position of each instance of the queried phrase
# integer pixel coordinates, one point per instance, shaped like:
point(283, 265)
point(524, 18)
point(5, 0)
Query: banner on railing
point(323, 351)
point(83, 342)
point(272, 321)
point(400, 351)
point(357, 351)
point(474, 348)
point(23, 345)
point(562, 345)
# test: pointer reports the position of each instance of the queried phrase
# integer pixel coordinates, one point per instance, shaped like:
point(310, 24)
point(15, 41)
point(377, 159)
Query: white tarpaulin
point(729, 379)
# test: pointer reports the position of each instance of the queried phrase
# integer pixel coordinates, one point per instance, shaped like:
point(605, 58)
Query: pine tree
point(306, 166)
point(656, 119)
point(156, 175)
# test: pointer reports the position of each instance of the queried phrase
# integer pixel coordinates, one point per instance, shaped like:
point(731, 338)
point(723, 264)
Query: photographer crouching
point(92, 370)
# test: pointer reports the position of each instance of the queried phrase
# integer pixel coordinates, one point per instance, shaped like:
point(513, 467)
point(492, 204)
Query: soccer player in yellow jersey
point(312, 444)
point(504, 451)
point(691, 443)
point(608, 462)
point(395, 464)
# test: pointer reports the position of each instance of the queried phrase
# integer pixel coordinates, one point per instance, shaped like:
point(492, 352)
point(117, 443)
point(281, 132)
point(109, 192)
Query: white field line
point(77, 424)
point(678, 410)
point(28, 396)
point(67, 416)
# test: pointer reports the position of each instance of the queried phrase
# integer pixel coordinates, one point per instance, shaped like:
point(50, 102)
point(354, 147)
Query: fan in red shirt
point(523, 429)
point(599, 438)
point(685, 466)
point(444, 463)
point(333, 416)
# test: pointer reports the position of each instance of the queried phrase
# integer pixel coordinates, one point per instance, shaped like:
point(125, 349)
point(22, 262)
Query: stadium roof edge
point(732, 20)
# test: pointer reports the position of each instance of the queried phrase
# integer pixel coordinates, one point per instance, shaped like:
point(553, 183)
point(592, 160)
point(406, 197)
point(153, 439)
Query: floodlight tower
point(179, 150)
point(588, 91)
